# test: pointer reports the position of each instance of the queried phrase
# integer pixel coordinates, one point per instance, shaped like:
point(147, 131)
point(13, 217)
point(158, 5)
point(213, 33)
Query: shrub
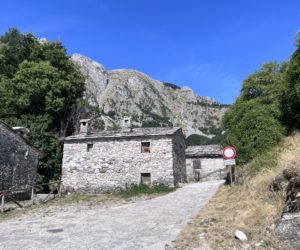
point(135, 190)
point(171, 85)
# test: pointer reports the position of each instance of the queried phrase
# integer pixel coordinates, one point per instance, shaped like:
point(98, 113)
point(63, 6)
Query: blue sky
point(210, 46)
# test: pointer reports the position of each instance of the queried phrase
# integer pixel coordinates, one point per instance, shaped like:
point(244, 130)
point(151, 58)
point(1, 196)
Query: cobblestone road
point(148, 224)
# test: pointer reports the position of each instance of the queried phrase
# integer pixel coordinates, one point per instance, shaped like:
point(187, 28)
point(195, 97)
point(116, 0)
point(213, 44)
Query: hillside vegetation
point(262, 124)
point(251, 207)
point(267, 109)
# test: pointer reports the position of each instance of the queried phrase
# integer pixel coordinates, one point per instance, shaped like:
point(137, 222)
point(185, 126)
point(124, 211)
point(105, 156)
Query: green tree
point(14, 48)
point(253, 122)
point(291, 97)
point(252, 128)
point(41, 86)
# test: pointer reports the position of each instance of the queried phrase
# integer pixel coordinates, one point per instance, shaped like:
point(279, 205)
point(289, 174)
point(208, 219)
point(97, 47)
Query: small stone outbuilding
point(205, 163)
point(18, 159)
point(96, 162)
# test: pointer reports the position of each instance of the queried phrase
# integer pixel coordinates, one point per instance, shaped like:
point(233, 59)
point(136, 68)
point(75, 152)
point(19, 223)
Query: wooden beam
point(13, 200)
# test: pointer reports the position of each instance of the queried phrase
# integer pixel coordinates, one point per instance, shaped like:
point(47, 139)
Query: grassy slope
point(250, 207)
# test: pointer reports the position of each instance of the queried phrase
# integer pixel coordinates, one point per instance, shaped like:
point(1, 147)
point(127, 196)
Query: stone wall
point(179, 163)
point(208, 165)
point(116, 163)
point(287, 229)
point(18, 161)
point(189, 170)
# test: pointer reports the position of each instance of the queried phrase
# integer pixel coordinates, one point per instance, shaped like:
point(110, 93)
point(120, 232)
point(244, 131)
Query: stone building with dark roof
point(204, 163)
point(96, 162)
point(18, 158)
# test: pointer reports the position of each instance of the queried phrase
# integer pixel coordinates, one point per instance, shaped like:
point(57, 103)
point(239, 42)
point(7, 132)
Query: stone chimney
point(126, 125)
point(85, 126)
point(21, 131)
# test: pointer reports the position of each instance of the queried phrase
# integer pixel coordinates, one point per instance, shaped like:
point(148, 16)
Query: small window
point(196, 164)
point(84, 123)
point(146, 178)
point(145, 148)
point(89, 147)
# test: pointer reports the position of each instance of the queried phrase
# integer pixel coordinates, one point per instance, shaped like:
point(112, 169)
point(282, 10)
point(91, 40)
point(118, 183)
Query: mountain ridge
point(113, 94)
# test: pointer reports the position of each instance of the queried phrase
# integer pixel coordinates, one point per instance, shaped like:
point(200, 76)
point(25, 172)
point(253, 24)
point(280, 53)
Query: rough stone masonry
point(205, 163)
point(18, 159)
point(97, 162)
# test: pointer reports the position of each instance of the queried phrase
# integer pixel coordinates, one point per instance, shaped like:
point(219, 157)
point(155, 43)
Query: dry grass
point(250, 207)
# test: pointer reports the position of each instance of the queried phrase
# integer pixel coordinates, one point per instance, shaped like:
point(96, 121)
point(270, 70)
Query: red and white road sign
point(229, 152)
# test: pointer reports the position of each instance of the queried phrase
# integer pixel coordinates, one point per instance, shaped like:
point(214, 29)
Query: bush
point(135, 190)
point(195, 139)
point(290, 102)
point(150, 124)
point(252, 130)
point(253, 123)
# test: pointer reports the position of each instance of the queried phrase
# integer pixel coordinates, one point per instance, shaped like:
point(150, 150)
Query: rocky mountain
point(114, 94)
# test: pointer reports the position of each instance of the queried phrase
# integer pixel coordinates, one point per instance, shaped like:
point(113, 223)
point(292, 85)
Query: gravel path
point(148, 224)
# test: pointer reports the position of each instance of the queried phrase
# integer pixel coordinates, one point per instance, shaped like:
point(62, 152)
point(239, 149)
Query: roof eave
point(40, 153)
point(125, 136)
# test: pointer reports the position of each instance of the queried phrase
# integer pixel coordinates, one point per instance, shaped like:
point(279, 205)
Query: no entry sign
point(229, 152)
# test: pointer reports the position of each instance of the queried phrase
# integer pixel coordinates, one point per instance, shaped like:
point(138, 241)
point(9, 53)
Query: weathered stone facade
point(107, 161)
point(18, 160)
point(204, 163)
point(179, 163)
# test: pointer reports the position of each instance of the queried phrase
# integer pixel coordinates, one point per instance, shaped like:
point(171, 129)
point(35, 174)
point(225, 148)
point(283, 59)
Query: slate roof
point(15, 132)
point(203, 151)
point(135, 132)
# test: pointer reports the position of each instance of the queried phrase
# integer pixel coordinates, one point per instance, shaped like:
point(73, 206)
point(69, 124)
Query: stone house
point(18, 159)
point(205, 163)
point(96, 162)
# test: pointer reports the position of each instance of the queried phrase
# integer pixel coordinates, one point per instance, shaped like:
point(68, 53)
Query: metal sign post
point(229, 153)
point(230, 171)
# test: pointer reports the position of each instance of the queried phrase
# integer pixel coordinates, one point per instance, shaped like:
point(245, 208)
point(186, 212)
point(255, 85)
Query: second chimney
point(85, 126)
point(126, 125)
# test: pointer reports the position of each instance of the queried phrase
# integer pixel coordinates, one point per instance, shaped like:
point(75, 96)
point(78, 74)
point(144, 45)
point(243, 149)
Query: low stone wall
point(114, 164)
point(189, 170)
point(287, 229)
point(179, 162)
point(208, 167)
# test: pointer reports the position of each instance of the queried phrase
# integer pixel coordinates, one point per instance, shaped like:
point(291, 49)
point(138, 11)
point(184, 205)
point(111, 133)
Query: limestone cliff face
point(118, 93)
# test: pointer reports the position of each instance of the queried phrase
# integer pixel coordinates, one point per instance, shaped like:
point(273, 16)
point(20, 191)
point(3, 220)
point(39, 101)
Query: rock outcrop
point(114, 94)
point(287, 229)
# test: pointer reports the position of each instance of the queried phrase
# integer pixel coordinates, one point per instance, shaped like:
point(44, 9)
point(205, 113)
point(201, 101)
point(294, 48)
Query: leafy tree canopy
point(41, 87)
point(253, 123)
point(291, 97)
